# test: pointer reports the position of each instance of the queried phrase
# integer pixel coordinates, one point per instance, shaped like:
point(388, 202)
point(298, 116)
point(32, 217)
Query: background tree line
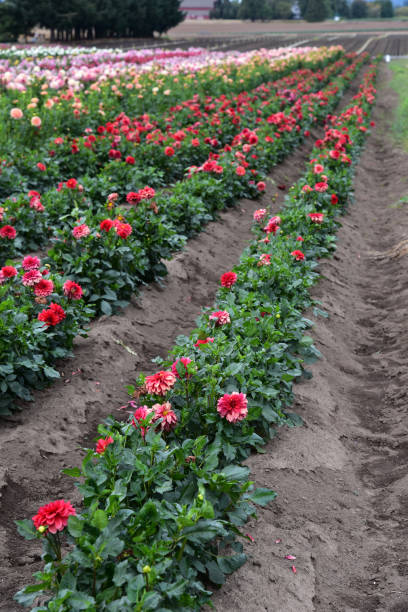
point(88, 19)
point(311, 10)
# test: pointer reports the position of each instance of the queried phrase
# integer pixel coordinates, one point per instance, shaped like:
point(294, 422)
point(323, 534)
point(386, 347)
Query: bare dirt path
point(342, 479)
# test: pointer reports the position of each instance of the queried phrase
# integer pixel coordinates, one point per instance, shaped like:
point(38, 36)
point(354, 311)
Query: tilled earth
point(342, 478)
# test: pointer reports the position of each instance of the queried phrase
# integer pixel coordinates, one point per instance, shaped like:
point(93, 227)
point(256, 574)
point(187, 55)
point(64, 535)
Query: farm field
point(216, 181)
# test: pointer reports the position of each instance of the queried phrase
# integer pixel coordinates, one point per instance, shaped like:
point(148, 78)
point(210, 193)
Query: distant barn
point(197, 9)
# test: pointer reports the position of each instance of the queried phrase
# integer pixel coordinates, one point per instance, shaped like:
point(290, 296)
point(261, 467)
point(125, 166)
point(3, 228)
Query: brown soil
point(229, 27)
point(341, 478)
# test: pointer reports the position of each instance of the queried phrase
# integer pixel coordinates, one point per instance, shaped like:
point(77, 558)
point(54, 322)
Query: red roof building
point(197, 9)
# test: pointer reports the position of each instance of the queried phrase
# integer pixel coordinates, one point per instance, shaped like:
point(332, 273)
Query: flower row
point(165, 496)
point(110, 253)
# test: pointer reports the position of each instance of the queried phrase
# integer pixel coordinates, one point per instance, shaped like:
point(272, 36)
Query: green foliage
point(359, 9)
point(316, 11)
point(387, 9)
point(93, 18)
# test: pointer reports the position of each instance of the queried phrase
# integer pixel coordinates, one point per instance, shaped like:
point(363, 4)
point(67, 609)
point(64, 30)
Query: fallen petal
point(250, 537)
point(293, 569)
point(278, 541)
point(290, 557)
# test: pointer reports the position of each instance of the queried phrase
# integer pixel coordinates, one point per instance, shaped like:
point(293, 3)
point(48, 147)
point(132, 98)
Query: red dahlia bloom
point(9, 271)
point(133, 197)
point(54, 515)
point(43, 288)
point(298, 255)
point(49, 317)
point(102, 444)
point(30, 263)
point(72, 290)
point(106, 225)
point(130, 160)
point(8, 231)
point(334, 199)
point(160, 383)
point(228, 279)
point(123, 230)
point(206, 341)
point(240, 171)
point(233, 407)
point(169, 151)
point(71, 183)
point(185, 361)
point(321, 187)
point(59, 311)
point(41, 167)
point(261, 186)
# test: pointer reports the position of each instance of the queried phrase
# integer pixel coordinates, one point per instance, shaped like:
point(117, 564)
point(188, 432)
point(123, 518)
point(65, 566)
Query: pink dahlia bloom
point(30, 262)
point(32, 277)
point(72, 290)
point(265, 260)
point(233, 407)
point(43, 288)
point(8, 231)
point(54, 515)
point(259, 214)
point(321, 187)
point(318, 169)
point(102, 444)
point(160, 383)
point(316, 217)
point(228, 279)
point(123, 230)
point(185, 361)
point(166, 413)
point(81, 231)
point(140, 414)
point(221, 317)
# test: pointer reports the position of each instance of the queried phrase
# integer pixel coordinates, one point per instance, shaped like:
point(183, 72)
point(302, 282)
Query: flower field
point(114, 160)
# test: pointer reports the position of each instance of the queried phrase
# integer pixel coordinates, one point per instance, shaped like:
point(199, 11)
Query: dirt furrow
point(342, 479)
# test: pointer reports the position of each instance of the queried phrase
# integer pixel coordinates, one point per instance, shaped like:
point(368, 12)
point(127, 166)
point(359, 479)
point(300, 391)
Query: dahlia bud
point(42, 528)
point(147, 569)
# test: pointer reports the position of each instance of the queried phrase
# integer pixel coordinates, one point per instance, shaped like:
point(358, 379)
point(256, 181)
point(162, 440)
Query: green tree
point(253, 9)
point(358, 9)
point(225, 9)
point(316, 10)
point(387, 9)
point(18, 17)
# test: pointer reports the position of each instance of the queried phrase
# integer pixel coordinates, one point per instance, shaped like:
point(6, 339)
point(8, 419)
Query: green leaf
point(231, 564)
point(261, 496)
point(74, 472)
point(100, 519)
point(215, 574)
point(106, 308)
point(50, 372)
point(75, 526)
point(26, 529)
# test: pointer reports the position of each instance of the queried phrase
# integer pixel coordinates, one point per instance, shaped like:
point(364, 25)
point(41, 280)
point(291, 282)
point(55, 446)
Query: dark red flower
point(49, 317)
point(106, 225)
point(102, 444)
point(59, 311)
point(123, 230)
point(43, 288)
